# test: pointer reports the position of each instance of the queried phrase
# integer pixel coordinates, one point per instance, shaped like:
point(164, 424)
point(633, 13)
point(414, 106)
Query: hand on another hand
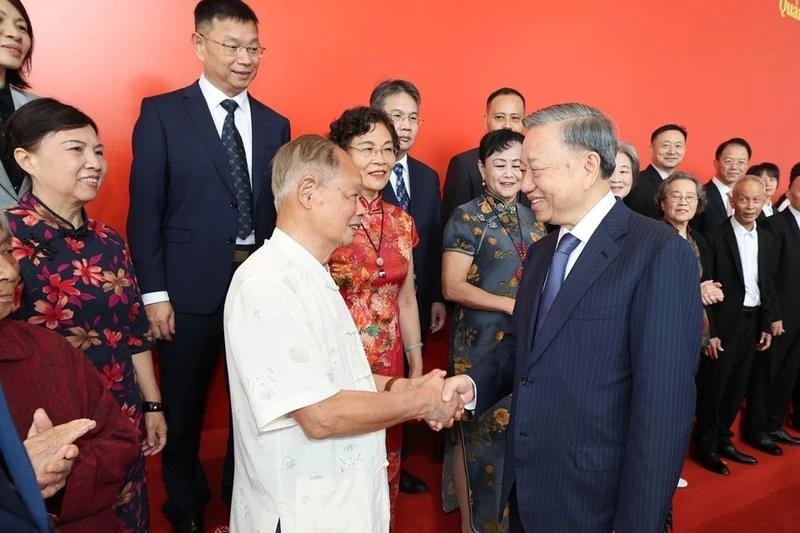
point(51, 449)
point(162, 320)
point(437, 413)
point(711, 292)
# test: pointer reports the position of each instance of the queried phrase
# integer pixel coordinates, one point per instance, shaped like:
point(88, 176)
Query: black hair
point(207, 10)
point(770, 169)
point(668, 127)
point(497, 141)
point(17, 77)
point(358, 121)
point(28, 125)
point(504, 91)
point(794, 172)
point(734, 141)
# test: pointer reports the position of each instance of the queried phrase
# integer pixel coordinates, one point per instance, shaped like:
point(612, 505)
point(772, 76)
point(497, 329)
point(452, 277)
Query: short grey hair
point(663, 187)
point(308, 154)
point(628, 149)
point(584, 128)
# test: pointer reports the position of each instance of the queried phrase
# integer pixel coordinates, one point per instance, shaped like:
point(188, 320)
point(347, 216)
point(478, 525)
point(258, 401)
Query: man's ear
point(306, 187)
point(592, 169)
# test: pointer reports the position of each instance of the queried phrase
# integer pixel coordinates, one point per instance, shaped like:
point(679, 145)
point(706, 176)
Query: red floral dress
point(372, 299)
point(80, 282)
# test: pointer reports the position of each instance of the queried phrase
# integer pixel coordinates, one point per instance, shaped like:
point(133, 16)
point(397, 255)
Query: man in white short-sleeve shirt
point(307, 415)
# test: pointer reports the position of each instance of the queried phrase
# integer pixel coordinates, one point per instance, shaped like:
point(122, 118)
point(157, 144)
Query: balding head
point(747, 198)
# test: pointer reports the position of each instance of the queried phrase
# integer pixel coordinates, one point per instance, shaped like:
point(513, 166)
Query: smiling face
point(502, 172)
point(337, 209)
point(9, 274)
point(622, 179)
point(373, 154)
point(770, 184)
point(229, 74)
point(731, 164)
point(15, 41)
point(404, 112)
point(67, 167)
point(556, 177)
point(668, 150)
point(680, 203)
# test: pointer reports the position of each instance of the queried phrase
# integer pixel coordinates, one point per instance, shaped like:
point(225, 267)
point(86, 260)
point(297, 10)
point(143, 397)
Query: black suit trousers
point(186, 365)
point(785, 360)
point(721, 383)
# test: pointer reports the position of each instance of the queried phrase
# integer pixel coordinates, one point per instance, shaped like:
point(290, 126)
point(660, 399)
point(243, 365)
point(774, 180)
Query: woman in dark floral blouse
point(77, 276)
point(485, 243)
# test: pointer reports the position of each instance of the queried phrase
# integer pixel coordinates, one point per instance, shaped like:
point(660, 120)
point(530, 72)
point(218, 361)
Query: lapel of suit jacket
point(530, 289)
point(597, 255)
point(715, 199)
point(413, 207)
point(260, 163)
point(197, 108)
point(20, 98)
point(792, 223)
point(733, 246)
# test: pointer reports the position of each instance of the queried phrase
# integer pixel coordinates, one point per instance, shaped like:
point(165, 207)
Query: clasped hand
point(437, 412)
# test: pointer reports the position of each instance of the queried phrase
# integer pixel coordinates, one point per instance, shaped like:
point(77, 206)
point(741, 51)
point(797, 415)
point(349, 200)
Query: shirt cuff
point(155, 297)
point(471, 405)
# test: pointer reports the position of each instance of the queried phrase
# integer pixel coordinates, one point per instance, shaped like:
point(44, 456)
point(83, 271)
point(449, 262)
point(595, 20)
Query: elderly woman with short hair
point(626, 170)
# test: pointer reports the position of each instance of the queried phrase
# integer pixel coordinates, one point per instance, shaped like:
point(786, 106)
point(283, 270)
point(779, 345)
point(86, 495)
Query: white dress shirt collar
point(795, 212)
point(214, 96)
point(586, 227)
point(740, 230)
point(663, 173)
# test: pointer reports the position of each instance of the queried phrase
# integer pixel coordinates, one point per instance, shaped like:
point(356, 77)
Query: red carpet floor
point(764, 498)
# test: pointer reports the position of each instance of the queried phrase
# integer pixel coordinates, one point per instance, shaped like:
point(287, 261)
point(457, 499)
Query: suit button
point(234, 205)
point(526, 381)
point(230, 240)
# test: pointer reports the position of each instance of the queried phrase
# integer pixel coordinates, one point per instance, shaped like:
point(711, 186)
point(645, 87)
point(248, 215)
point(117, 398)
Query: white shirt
point(768, 209)
point(663, 173)
point(586, 227)
point(244, 124)
point(747, 242)
point(784, 205)
point(393, 177)
point(583, 230)
point(725, 192)
point(291, 343)
point(796, 214)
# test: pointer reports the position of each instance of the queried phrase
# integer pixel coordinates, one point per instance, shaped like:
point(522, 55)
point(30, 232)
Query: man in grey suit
point(505, 108)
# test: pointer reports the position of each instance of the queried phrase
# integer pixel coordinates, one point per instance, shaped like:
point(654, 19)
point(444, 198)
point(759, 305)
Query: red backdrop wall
point(722, 68)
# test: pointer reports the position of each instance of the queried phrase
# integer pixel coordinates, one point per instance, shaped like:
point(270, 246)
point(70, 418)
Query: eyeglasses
point(397, 116)
point(688, 198)
point(372, 151)
point(232, 50)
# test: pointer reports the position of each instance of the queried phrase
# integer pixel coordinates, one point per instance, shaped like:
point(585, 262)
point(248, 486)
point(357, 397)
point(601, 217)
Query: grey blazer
point(8, 196)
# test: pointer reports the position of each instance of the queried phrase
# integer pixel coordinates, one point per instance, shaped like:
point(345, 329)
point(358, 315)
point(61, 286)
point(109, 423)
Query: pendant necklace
point(378, 259)
point(522, 252)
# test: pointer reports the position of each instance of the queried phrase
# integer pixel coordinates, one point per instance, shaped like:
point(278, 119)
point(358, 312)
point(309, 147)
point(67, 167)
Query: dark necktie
point(400, 186)
point(555, 276)
point(234, 148)
point(19, 467)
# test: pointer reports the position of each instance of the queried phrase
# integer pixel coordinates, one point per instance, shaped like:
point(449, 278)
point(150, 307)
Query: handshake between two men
point(442, 400)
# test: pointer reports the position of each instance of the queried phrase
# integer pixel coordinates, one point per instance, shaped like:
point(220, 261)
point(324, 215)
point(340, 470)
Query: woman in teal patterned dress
point(485, 243)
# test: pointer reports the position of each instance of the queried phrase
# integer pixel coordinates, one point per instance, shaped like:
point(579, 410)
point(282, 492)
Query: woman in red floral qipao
point(375, 273)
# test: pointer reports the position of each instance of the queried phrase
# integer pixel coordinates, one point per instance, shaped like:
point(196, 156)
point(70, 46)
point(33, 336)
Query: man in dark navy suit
point(201, 202)
point(602, 355)
point(730, 163)
point(414, 186)
point(667, 150)
point(505, 108)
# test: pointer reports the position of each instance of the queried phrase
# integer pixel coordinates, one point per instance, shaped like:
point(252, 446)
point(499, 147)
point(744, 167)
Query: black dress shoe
point(781, 436)
point(766, 445)
point(192, 523)
point(711, 461)
point(411, 485)
point(729, 451)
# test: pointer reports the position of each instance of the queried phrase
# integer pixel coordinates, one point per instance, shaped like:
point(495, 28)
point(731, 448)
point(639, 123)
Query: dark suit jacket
point(183, 218)
point(714, 214)
point(642, 198)
point(784, 229)
point(604, 395)
point(724, 265)
point(426, 210)
point(462, 183)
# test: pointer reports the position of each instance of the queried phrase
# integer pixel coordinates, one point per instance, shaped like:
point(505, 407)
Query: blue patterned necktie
point(234, 148)
point(400, 188)
point(555, 276)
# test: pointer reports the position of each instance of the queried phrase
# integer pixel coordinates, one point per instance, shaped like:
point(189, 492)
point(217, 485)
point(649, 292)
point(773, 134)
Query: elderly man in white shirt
point(307, 415)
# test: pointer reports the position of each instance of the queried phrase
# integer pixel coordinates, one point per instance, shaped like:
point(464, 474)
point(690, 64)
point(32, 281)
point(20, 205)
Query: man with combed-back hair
point(602, 353)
